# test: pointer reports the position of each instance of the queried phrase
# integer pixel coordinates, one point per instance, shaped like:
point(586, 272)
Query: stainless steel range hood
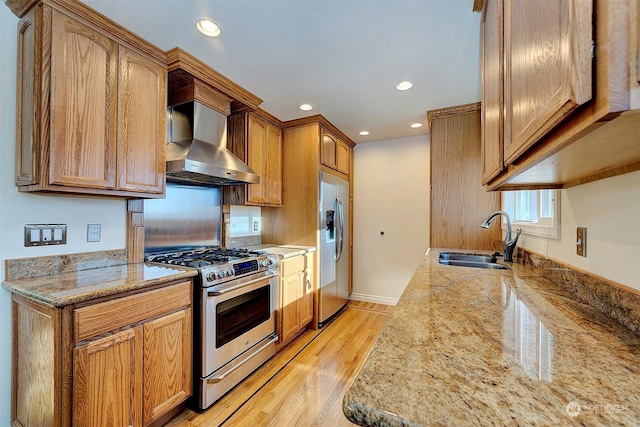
point(197, 152)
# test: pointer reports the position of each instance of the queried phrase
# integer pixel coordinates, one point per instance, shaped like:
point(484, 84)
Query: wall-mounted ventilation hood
point(197, 153)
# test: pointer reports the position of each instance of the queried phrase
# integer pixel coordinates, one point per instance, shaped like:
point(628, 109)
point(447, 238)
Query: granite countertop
point(283, 251)
point(59, 290)
point(468, 346)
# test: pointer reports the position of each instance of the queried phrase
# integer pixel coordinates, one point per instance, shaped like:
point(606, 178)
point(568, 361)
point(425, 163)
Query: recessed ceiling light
point(363, 132)
point(404, 85)
point(306, 107)
point(416, 125)
point(208, 27)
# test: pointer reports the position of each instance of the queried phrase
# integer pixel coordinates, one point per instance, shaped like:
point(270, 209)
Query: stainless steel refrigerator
point(333, 292)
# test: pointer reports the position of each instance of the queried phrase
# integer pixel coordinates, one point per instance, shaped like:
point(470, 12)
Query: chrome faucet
point(509, 243)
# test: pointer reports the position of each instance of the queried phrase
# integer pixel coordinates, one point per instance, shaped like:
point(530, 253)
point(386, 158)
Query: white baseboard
point(374, 299)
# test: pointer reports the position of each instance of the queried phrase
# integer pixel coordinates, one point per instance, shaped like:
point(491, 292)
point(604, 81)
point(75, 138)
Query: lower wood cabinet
point(296, 295)
point(121, 362)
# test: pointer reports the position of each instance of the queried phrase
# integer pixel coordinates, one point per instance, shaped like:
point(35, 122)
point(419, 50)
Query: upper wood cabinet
point(492, 90)
point(334, 153)
point(91, 112)
point(259, 144)
point(556, 92)
point(547, 47)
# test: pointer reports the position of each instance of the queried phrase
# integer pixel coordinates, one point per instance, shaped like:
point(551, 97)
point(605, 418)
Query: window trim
point(550, 229)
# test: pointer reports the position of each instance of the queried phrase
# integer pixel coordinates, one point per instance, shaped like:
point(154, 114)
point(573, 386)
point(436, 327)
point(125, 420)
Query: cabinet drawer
point(109, 315)
point(292, 266)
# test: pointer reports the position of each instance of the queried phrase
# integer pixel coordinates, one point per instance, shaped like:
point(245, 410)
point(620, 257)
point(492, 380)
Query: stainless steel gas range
point(235, 290)
point(235, 330)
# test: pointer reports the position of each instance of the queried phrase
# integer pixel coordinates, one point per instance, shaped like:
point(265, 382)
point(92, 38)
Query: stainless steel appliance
point(333, 291)
point(197, 148)
point(235, 295)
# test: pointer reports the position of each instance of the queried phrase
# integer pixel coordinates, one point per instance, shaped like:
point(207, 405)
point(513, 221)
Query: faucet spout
point(509, 243)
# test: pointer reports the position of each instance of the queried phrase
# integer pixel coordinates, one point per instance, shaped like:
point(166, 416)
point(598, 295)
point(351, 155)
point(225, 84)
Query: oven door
point(235, 317)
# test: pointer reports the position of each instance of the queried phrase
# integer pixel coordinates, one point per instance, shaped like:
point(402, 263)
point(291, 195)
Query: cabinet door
point(167, 363)
point(548, 67)
point(256, 158)
point(328, 150)
point(492, 72)
point(306, 297)
point(273, 163)
point(291, 286)
point(342, 157)
point(107, 381)
point(82, 106)
point(142, 88)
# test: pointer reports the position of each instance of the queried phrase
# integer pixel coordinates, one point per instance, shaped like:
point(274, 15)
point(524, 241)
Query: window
point(537, 212)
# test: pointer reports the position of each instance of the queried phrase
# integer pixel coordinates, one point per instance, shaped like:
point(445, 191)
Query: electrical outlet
point(581, 241)
point(93, 232)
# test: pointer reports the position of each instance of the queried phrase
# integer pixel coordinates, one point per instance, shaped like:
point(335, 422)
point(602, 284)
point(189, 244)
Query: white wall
point(610, 209)
point(18, 209)
point(391, 183)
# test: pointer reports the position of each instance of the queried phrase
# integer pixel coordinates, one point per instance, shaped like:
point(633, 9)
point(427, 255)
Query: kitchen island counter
point(59, 290)
point(468, 346)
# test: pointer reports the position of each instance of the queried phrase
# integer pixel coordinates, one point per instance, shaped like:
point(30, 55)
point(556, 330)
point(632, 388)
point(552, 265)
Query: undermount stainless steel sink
point(468, 260)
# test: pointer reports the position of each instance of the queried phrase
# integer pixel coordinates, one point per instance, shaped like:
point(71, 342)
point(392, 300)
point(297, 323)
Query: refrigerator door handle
point(340, 231)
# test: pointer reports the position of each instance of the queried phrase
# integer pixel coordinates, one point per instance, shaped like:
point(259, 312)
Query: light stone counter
point(474, 347)
point(59, 290)
point(283, 251)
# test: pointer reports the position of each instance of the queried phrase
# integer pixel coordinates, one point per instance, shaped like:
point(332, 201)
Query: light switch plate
point(581, 241)
point(45, 234)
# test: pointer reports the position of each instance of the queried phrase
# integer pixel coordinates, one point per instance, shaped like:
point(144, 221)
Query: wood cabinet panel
point(91, 108)
point(107, 381)
point(83, 105)
point(273, 161)
point(548, 66)
point(259, 144)
point(256, 154)
point(290, 286)
point(459, 204)
point(594, 141)
point(334, 153)
point(141, 123)
point(492, 90)
point(342, 157)
point(35, 380)
point(306, 297)
point(296, 293)
point(98, 318)
point(167, 363)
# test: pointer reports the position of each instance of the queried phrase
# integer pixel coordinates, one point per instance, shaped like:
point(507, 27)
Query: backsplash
point(615, 300)
point(24, 268)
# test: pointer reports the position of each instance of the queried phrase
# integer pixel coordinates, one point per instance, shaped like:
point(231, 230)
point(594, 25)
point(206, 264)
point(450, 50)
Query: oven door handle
point(240, 285)
point(220, 377)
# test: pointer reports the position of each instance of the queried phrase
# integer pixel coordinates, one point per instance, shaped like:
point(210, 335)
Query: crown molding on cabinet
point(178, 59)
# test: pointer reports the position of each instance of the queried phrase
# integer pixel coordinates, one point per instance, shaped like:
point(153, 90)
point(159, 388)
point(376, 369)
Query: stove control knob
point(264, 263)
point(221, 274)
point(230, 271)
point(211, 276)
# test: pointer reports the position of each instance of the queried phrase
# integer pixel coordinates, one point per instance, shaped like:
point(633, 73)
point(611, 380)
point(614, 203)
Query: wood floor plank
point(304, 383)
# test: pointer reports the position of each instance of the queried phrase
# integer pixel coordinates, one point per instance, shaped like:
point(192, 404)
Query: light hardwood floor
point(302, 385)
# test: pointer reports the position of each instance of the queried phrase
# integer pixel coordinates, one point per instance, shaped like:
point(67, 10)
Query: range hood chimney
point(197, 148)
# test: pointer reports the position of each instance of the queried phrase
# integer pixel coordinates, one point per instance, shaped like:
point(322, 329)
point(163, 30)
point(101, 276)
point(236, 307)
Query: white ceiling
point(344, 57)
